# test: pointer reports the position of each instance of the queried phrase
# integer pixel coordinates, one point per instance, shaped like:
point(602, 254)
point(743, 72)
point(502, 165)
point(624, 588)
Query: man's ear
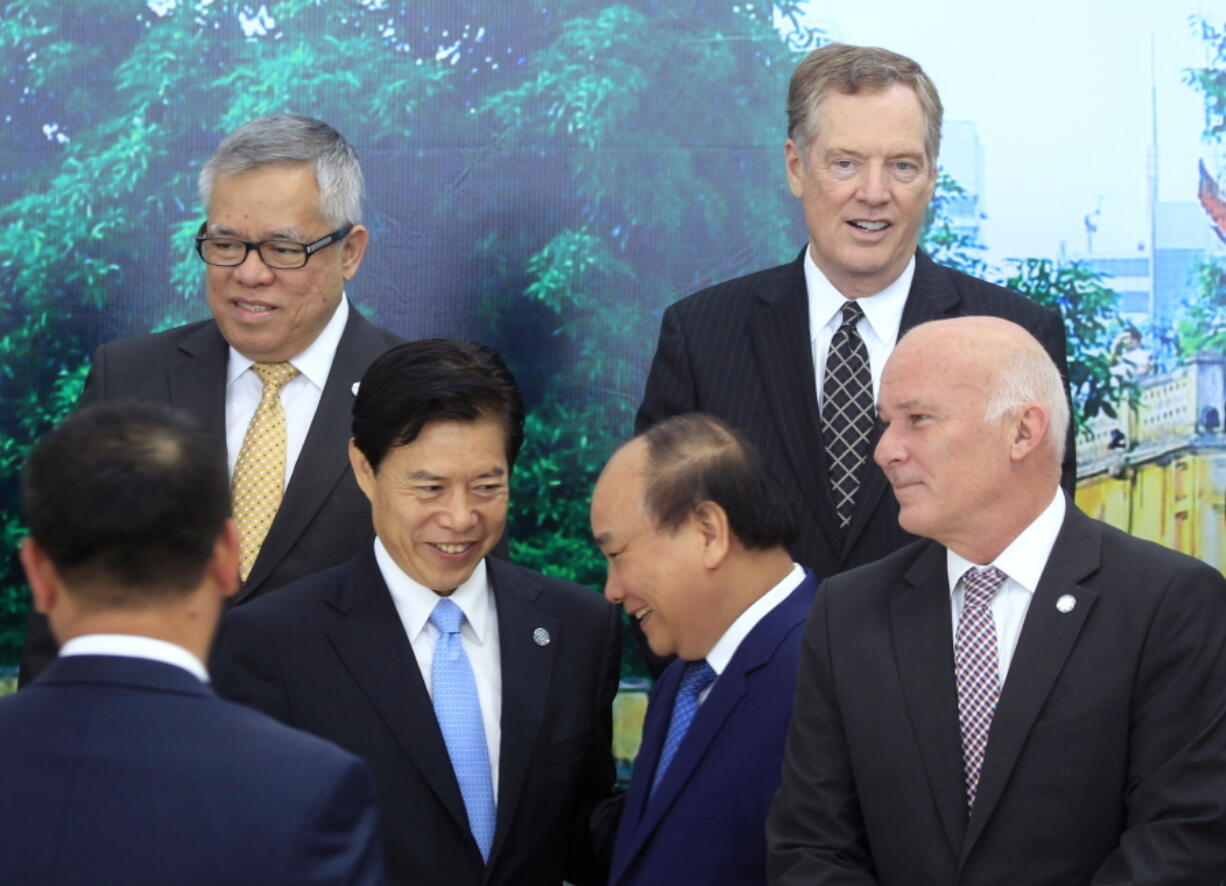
point(1027, 431)
point(711, 522)
point(223, 568)
point(362, 471)
point(43, 577)
point(794, 163)
point(352, 250)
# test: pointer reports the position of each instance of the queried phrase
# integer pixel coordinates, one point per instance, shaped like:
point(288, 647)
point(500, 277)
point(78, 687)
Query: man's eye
point(223, 245)
point(284, 250)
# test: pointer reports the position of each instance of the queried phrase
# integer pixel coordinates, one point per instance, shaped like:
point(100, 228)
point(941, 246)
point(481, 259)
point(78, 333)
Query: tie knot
point(981, 585)
point(698, 676)
point(447, 616)
point(274, 375)
point(852, 312)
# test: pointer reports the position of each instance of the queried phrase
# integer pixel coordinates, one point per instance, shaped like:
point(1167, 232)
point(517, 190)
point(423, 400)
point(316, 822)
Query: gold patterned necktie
point(259, 473)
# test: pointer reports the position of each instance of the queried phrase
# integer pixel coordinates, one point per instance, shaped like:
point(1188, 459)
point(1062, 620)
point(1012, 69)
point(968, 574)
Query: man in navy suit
point(766, 352)
point(480, 693)
point(695, 533)
point(119, 764)
point(1023, 696)
point(282, 236)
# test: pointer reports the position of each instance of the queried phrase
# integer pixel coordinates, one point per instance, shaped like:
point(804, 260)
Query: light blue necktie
point(697, 677)
point(459, 717)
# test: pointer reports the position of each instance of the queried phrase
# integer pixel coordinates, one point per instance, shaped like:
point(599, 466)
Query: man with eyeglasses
point(273, 372)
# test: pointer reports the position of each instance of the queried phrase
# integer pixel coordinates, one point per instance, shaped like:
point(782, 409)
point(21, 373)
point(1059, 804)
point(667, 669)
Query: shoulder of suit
point(553, 589)
point(1143, 558)
point(255, 732)
point(298, 598)
point(728, 292)
point(167, 339)
point(360, 325)
point(879, 573)
point(981, 296)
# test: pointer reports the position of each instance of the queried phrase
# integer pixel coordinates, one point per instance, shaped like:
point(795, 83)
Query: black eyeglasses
point(230, 252)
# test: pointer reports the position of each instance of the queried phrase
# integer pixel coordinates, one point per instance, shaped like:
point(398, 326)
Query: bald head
point(975, 419)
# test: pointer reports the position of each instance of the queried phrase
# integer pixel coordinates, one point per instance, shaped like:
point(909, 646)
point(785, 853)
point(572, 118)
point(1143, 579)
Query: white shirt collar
point(883, 310)
point(414, 601)
point(136, 646)
point(726, 646)
point(315, 362)
point(1026, 556)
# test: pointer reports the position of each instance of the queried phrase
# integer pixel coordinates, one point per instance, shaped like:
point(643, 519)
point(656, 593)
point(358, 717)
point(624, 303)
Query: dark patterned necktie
point(976, 669)
point(847, 411)
point(697, 677)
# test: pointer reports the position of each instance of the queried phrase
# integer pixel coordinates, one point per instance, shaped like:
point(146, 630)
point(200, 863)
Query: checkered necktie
point(259, 473)
point(847, 411)
point(697, 677)
point(459, 717)
point(975, 669)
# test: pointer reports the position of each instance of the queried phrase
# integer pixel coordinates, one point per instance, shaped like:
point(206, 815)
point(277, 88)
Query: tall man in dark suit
point(1031, 697)
point(695, 530)
point(272, 372)
point(791, 356)
point(119, 764)
point(480, 693)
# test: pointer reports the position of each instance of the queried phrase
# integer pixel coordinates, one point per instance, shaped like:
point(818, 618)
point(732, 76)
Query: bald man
point(1028, 696)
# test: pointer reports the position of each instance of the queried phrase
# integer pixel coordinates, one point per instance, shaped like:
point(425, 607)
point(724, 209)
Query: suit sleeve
point(245, 668)
point(339, 843)
point(670, 383)
point(1175, 798)
point(587, 858)
point(815, 832)
point(40, 648)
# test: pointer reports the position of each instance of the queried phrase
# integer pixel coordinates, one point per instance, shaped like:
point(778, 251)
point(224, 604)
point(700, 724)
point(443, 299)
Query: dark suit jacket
point(329, 655)
point(740, 351)
point(323, 519)
point(128, 772)
point(1106, 760)
point(705, 825)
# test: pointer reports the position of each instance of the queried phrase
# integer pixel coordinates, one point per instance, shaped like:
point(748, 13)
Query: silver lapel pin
point(1066, 603)
point(540, 637)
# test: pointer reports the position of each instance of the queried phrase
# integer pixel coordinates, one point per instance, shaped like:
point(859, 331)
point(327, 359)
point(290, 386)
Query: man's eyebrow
point(492, 472)
point(422, 474)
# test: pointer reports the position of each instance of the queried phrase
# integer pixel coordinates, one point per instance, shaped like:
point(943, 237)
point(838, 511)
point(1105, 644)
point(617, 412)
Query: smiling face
point(439, 504)
point(865, 186)
point(950, 469)
point(657, 575)
point(270, 315)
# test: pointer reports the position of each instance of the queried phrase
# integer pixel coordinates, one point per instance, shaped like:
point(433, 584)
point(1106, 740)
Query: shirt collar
point(414, 601)
point(315, 362)
point(136, 646)
point(1026, 556)
point(726, 646)
point(882, 310)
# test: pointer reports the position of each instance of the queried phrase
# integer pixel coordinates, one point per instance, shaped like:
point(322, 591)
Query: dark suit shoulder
point(554, 591)
point(733, 295)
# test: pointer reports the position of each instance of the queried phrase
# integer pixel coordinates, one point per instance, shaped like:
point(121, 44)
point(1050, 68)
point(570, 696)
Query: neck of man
point(997, 531)
point(745, 578)
point(189, 622)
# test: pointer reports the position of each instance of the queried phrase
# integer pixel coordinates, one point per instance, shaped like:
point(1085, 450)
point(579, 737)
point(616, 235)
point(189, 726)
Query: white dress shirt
point(1023, 562)
point(478, 635)
point(878, 327)
point(136, 646)
point(299, 396)
point(728, 643)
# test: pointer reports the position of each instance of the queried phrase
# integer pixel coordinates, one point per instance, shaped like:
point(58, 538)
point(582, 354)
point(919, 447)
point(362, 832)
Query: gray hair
point(1028, 375)
point(851, 70)
point(285, 139)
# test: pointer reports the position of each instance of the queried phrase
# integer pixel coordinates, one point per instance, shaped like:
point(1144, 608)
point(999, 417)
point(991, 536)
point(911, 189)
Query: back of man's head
point(695, 458)
point(127, 501)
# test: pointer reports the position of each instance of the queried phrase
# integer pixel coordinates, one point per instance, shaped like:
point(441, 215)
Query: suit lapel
point(198, 382)
point(932, 297)
point(527, 670)
point(324, 457)
point(1047, 638)
point(780, 329)
point(370, 639)
point(923, 647)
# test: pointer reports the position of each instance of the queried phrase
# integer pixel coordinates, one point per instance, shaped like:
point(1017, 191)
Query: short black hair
point(128, 500)
point(695, 458)
point(429, 380)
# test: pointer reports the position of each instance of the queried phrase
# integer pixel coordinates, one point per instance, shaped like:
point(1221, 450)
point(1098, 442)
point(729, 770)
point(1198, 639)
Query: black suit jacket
point(127, 772)
point(1106, 759)
point(323, 519)
point(329, 655)
point(741, 351)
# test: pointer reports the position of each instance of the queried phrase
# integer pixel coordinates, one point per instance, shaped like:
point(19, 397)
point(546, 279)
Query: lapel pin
point(540, 637)
point(1066, 603)
point(355, 387)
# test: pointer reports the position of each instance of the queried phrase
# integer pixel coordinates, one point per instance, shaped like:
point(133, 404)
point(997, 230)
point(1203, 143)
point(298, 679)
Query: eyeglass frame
point(309, 248)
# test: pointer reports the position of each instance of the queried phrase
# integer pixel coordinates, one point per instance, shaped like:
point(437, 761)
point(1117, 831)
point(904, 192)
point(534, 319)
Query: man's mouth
point(641, 614)
point(457, 548)
point(252, 307)
point(870, 226)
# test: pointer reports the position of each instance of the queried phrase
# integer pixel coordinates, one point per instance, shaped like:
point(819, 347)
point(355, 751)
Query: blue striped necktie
point(697, 677)
point(459, 717)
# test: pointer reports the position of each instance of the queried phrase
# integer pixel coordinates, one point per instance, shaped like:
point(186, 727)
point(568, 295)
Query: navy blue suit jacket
point(706, 823)
point(329, 655)
point(132, 772)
